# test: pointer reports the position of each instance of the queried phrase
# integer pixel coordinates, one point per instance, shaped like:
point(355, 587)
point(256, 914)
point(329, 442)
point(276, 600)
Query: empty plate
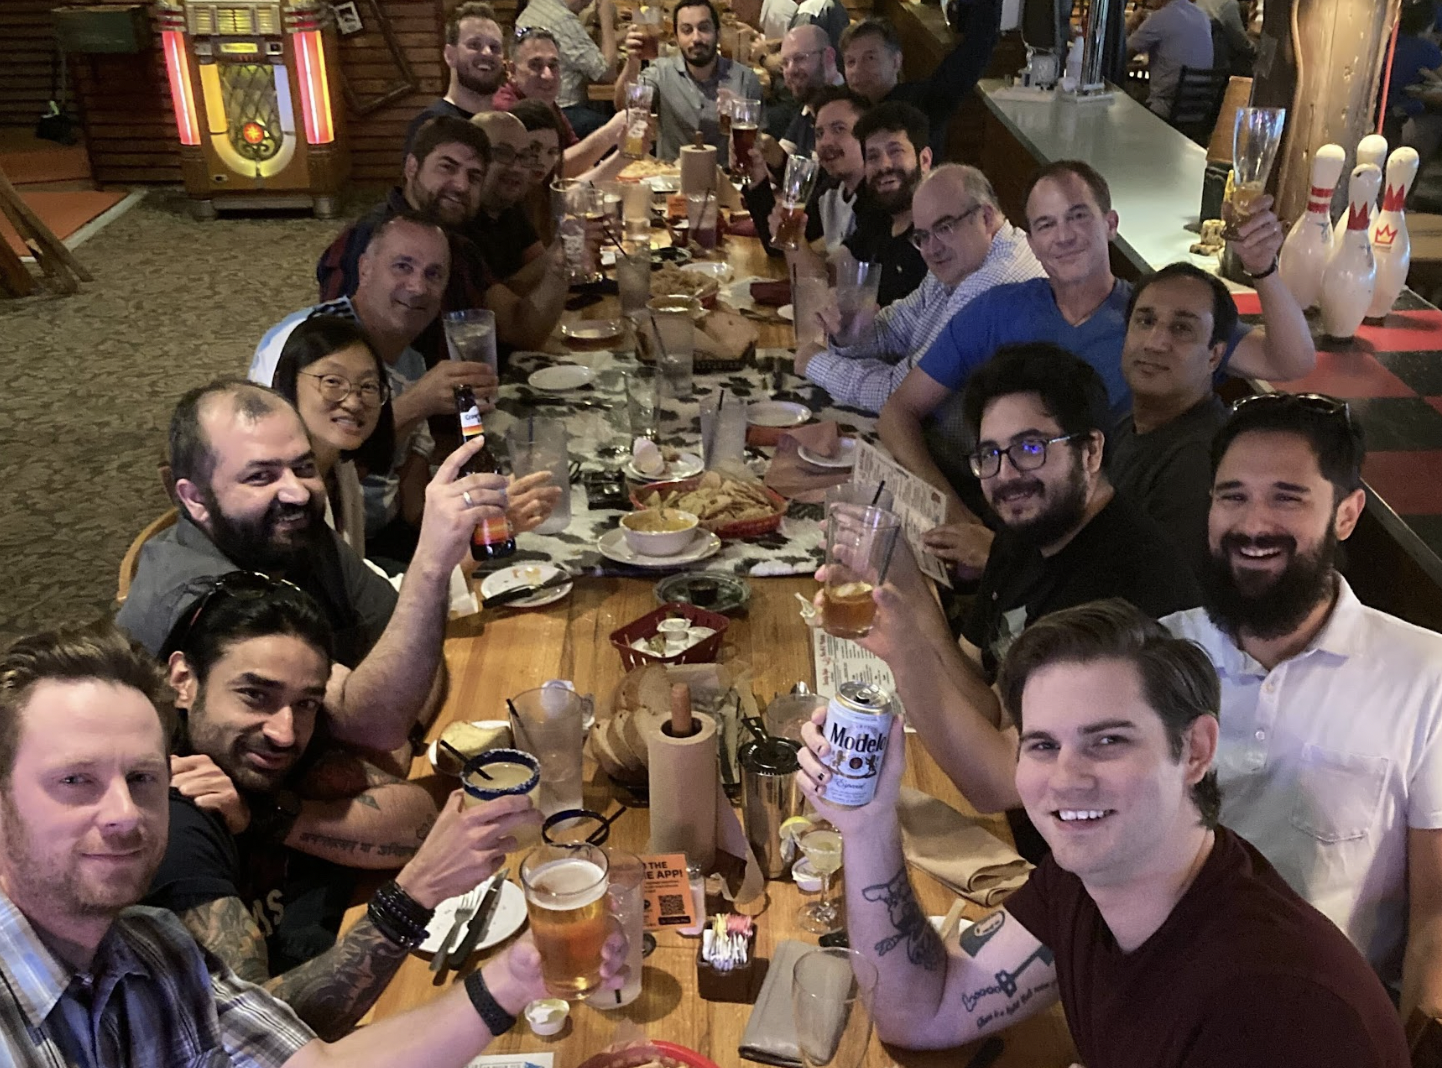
point(592, 330)
point(777, 413)
point(845, 455)
point(560, 377)
point(719, 271)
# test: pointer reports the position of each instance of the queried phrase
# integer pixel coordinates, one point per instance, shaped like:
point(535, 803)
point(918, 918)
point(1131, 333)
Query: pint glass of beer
point(745, 118)
point(796, 188)
point(566, 900)
point(859, 545)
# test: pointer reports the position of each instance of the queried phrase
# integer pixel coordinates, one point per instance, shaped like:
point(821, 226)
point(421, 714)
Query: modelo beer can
point(858, 725)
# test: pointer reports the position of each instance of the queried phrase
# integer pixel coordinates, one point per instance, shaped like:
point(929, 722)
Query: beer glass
point(626, 898)
point(859, 544)
point(580, 204)
point(649, 20)
point(1255, 140)
point(471, 335)
point(536, 444)
point(796, 188)
point(723, 114)
point(547, 721)
point(565, 889)
point(745, 118)
point(831, 992)
point(641, 401)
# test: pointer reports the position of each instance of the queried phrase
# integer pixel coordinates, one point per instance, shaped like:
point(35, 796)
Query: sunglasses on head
point(1319, 403)
point(237, 585)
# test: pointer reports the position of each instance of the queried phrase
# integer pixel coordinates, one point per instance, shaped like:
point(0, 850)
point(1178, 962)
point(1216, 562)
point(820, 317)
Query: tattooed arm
point(330, 992)
point(356, 815)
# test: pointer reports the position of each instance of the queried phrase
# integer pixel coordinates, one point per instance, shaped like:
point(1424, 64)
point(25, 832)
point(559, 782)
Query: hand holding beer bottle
point(456, 503)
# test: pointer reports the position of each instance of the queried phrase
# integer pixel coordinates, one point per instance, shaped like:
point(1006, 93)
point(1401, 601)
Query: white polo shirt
point(1329, 758)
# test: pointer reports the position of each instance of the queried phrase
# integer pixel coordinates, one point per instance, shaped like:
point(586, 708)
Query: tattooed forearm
point(333, 991)
point(226, 928)
point(923, 944)
point(347, 851)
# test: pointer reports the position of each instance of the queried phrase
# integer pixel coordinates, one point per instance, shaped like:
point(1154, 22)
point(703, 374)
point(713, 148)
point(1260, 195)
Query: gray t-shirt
point(1168, 472)
point(684, 104)
point(179, 565)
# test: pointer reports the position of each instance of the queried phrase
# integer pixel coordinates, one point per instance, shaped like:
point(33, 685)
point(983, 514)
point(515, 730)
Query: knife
point(479, 922)
point(520, 593)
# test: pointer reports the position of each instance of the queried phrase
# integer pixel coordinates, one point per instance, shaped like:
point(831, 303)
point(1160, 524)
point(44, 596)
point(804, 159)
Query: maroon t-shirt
point(508, 95)
point(1242, 974)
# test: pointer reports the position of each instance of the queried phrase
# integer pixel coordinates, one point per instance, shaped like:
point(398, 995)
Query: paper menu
point(920, 505)
point(839, 660)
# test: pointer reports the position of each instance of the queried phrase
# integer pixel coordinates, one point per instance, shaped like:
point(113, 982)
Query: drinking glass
point(565, 889)
point(831, 992)
point(649, 20)
point(633, 281)
point(626, 897)
point(723, 429)
point(471, 335)
point(866, 494)
point(636, 211)
point(547, 722)
point(724, 101)
point(859, 544)
point(580, 203)
point(638, 121)
point(857, 284)
point(640, 95)
point(1255, 140)
point(822, 848)
point(499, 773)
point(745, 118)
point(810, 293)
point(701, 216)
point(796, 188)
point(674, 338)
point(641, 401)
point(540, 445)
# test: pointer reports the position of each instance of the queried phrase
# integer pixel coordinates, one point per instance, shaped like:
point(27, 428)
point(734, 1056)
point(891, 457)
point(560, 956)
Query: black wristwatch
point(1267, 273)
point(273, 815)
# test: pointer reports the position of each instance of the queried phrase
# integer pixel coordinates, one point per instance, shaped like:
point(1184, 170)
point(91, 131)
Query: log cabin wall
point(25, 75)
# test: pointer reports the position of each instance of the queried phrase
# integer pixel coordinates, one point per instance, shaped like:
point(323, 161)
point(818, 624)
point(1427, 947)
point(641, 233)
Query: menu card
point(839, 660)
point(920, 505)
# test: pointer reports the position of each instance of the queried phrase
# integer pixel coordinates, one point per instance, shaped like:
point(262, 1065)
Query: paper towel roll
point(698, 168)
point(684, 779)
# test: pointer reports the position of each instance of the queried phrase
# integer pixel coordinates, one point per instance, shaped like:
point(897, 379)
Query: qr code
point(673, 905)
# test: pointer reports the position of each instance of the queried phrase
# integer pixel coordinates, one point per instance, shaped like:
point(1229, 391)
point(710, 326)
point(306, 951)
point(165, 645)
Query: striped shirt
point(865, 374)
point(152, 999)
point(582, 61)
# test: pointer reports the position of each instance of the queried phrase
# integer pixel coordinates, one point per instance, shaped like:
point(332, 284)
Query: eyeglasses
point(944, 228)
point(238, 585)
point(336, 388)
point(505, 155)
point(799, 57)
point(1319, 403)
point(1025, 455)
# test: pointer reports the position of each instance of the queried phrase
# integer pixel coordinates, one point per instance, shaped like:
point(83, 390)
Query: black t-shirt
point(439, 107)
point(1119, 553)
point(503, 240)
point(1242, 974)
point(902, 268)
point(298, 901)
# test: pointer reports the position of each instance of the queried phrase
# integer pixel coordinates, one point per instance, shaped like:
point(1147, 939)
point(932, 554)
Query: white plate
point(509, 917)
point(719, 271)
point(777, 413)
point(526, 575)
point(664, 183)
point(684, 466)
point(787, 312)
point(613, 547)
point(433, 750)
point(592, 331)
point(845, 458)
point(560, 377)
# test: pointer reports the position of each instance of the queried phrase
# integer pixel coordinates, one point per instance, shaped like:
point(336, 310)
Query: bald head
point(955, 208)
point(501, 128)
point(508, 177)
point(807, 60)
point(190, 453)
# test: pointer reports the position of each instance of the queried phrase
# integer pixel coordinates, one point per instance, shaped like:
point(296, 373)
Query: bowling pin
point(1391, 245)
point(1309, 244)
point(1371, 149)
point(1351, 277)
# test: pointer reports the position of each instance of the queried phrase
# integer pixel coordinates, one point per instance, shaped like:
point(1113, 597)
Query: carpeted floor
point(88, 383)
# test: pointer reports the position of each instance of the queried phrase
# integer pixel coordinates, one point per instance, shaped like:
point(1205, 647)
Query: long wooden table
point(501, 653)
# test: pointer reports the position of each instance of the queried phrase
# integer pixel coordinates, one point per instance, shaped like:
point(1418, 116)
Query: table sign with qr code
point(668, 893)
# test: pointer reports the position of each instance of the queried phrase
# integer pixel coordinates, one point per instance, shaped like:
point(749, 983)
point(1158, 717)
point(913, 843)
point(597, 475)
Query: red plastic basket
point(746, 528)
point(646, 1052)
point(703, 652)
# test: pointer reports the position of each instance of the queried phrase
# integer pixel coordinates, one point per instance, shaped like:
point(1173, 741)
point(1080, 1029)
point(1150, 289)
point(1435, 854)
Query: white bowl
point(659, 542)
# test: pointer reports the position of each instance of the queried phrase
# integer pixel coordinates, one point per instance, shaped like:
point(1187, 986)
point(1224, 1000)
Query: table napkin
point(770, 1035)
point(969, 859)
point(795, 479)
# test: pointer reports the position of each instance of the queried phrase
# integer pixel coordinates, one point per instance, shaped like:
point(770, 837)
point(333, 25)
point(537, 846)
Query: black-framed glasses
point(1319, 403)
point(1026, 454)
point(944, 228)
point(505, 155)
point(238, 585)
point(797, 57)
point(336, 388)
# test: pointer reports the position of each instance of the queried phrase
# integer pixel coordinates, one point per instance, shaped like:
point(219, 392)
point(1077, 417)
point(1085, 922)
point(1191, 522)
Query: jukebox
point(250, 81)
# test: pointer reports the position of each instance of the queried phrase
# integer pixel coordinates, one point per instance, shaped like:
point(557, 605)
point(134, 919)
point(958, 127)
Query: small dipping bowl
point(547, 1015)
point(512, 771)
point(573, 826)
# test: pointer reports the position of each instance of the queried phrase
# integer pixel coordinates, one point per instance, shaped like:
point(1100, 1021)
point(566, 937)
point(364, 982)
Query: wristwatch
point(1267, 273)
point(273, 815)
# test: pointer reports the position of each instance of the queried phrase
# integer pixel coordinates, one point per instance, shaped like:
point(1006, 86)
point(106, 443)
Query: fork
point(464, 911)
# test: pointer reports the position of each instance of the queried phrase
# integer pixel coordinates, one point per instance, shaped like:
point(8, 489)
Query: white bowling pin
point(1351, 277)
point(1391, 245)
point(1371, 149)
point(1309, 245)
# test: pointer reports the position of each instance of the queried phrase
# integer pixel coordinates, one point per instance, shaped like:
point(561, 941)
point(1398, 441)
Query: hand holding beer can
point(858, 727)
point(566, 901)
point(860, 541)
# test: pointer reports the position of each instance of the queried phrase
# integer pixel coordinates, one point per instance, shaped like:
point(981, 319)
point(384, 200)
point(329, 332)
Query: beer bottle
point(492, 538)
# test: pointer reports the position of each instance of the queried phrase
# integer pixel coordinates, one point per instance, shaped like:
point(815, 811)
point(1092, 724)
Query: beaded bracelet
point(398, 916)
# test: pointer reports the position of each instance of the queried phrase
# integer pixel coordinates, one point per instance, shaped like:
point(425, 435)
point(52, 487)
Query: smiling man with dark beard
point(893, 141)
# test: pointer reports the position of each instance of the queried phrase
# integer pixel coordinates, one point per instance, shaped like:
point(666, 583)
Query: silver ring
point(466, 496)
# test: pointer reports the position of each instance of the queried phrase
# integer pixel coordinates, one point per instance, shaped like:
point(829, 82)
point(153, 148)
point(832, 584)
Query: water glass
point(547, 722)
point(633, 281)
point(701, 217)
point(810, 293)
point(723, 430)
point(831, 991)
point(471, 335)
point(857, 284)
point(540, 445)
point(626, 897)
point(1255, 139)
point(565, 889)
point(866, 494)
point(859, 545)
point(641, 401)
point(674, 338)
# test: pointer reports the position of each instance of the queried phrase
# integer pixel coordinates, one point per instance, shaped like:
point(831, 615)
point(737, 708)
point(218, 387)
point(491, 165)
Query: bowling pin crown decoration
point(1391, 245)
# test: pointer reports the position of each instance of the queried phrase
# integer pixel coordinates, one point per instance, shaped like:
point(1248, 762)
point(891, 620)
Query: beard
point(1059, 518)
point(229, 752)
point(257, 544)
point(481, 84)
point(1261, 605)
point(448, 213)
point(900, 199)
point(701, 53)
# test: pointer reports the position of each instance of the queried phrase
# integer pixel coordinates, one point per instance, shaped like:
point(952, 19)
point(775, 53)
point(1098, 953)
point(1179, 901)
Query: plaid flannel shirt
point(582, 60)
